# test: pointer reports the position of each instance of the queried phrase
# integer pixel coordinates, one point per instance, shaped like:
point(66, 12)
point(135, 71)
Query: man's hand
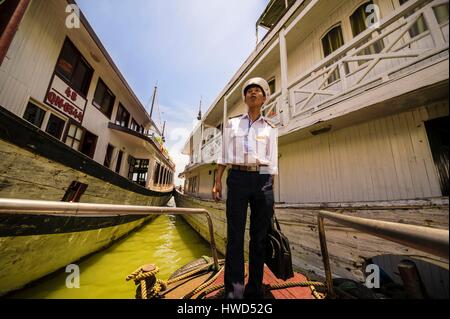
point(217, 191)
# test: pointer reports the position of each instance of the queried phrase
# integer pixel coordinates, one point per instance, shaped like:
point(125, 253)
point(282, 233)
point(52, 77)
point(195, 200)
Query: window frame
point(62, 129)
point(99, 106)
point(66, 134)
point(117, 115)
point(139, 170)
point(118, 165)
point(135, 124)
point(339, 24)
point(80, 58)
point(336, 76)
point(362, 3)
point(93, 147)
point(40, 108)
point(109, 156)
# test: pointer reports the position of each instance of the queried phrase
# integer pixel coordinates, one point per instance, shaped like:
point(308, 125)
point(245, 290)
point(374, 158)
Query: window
point(156, 174)
point(138, 170)
point(441, 13)
point(119, 162)
point(418, 27)
point(134, 125)
point(332, 41)
point(272, 86)
point(122, 117)
point(358, 21)
point(104, 99)
point(88, 145)
point(55, 126)
point(74, 68)
point(74, 192)
point(359, 18)
point(74, 136)
point(34, 114)
point(108, 156)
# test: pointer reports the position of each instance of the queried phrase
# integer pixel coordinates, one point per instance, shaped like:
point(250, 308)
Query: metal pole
point(11, 27)
point(431, 240)
point(325, 257)
point(153, 101)
point(41, 207)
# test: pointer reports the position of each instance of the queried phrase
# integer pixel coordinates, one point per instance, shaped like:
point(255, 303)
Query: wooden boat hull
point(350, 251)
point(34, 246)
point(34, 165)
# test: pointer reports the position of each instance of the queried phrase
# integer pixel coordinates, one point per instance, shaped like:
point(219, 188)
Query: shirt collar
point(245, 115)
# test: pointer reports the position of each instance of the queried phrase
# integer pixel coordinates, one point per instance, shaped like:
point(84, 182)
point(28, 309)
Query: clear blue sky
point(191, 48)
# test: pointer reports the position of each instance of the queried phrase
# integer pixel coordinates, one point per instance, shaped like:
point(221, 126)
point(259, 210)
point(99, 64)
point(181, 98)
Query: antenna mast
point(199, 116)
point(153, 101)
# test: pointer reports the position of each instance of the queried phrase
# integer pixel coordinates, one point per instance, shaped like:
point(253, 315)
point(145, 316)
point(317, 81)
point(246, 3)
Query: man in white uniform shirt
point(249, 148)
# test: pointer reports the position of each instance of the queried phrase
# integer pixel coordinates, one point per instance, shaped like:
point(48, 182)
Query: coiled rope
point(151, 287)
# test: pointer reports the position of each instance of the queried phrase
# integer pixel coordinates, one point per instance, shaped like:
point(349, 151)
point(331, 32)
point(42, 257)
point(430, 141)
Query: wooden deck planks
point(269, 278)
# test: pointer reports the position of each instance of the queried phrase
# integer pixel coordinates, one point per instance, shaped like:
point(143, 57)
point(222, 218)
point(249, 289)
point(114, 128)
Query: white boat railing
point(272, 109)
point(375, 56)
point(40, 207)
point(430, 240)
point(211, 149)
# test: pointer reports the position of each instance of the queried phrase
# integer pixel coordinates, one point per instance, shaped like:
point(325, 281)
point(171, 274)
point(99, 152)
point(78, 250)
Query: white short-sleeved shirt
point(250, 143)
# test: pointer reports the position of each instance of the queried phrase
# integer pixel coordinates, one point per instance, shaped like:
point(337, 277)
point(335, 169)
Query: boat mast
point(199, 116)
point(153, 101)
point(162, 135)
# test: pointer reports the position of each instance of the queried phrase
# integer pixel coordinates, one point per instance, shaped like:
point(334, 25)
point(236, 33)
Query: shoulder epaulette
point(268, 122)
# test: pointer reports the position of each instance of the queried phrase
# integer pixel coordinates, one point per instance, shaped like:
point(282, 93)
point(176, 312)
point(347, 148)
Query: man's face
point(254, 97)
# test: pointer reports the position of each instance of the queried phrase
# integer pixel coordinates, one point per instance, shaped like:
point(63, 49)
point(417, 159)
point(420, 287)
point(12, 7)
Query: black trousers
point(257, 190)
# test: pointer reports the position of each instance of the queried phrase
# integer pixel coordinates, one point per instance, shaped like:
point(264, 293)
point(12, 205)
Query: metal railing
point(430, 240)
point(40, 207)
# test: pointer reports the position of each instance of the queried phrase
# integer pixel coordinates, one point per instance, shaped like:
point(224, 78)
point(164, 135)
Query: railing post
point(325, 257)
point(283, 108)
point(433, 25)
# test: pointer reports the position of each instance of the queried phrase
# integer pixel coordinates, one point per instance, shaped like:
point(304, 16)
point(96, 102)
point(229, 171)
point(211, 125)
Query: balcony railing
point(376, 56)
point(211, 149)
point(272, 109)
point(410, 37)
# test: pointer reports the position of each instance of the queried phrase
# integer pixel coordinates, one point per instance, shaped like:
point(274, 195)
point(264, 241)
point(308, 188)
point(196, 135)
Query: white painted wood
point(30, 62)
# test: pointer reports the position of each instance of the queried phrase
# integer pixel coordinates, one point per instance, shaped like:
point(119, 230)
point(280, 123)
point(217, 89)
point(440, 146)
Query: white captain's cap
point(259, 82)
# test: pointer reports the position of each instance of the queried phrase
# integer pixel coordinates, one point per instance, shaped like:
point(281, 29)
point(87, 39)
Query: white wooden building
point(56, 74)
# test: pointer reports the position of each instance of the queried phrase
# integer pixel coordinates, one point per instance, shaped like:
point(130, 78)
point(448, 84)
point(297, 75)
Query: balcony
point(138, 139)
point(391, 51)
point(211, 150)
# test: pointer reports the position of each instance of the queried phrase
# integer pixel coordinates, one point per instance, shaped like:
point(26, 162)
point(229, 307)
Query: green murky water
point(167, 241)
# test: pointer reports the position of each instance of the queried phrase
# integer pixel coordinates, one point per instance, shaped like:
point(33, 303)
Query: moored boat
point(72, 130)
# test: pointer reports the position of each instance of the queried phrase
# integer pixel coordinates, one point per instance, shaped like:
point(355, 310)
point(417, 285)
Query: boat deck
point(270, 279)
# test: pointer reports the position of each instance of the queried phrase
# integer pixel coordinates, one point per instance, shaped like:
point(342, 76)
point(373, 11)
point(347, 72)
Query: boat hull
point(350, 250)
point(40, 245)
point(33, 165)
